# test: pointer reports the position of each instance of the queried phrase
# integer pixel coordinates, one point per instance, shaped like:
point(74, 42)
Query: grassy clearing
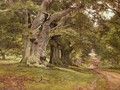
point(53, 79)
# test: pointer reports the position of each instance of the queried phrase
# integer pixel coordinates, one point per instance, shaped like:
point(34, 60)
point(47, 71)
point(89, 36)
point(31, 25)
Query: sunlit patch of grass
point(8, 62)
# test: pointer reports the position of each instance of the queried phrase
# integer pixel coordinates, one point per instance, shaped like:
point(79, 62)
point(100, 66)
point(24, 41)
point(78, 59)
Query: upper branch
point(62, 20)
point(41, 19)
point(45, 4)
point(65, 12)
point(59, 15)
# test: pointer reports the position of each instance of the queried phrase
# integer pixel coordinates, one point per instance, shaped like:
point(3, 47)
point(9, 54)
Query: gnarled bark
point(39, 38)
point(26, 50)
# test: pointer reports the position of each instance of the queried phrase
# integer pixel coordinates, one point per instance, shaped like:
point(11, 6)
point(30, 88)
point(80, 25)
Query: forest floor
point(22, 77)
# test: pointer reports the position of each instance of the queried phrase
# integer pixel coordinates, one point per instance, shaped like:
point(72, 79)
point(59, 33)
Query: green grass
point(53, 79)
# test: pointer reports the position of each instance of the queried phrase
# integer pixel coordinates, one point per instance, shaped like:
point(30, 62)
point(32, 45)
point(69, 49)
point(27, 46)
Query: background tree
point(10, 32)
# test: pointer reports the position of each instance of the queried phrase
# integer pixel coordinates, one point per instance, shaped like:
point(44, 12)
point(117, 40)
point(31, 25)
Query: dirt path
point(11, 82)
point(112, 78)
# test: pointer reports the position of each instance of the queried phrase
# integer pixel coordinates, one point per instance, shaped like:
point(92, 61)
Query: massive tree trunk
point(41, 27)
point(37, 49)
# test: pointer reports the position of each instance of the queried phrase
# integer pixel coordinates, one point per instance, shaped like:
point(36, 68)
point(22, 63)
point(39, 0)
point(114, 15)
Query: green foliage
point(26, 5)
point(110, 41)
point(13, 24)
point(80, 33)
point(10, 32)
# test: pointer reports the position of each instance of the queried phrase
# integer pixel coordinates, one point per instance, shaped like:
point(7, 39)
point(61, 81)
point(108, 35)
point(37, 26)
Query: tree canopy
point(93, 24)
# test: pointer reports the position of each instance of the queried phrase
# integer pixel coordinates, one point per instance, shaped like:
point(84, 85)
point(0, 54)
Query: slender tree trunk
point(60, 58)
point(55, 52)
point(55, 56)
point(117, 61)
point(3, 56)
point(65, 56)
